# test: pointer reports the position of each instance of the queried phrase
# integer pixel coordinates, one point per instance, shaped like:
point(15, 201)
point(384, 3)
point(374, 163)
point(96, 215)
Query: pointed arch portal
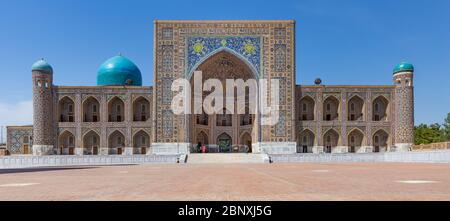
point(223, 65)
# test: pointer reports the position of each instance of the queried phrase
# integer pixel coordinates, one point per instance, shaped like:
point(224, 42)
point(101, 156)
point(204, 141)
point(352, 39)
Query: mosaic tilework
point(280, 57)
point(167, 33)
point(280, 128)
point(200, 48)
point(16, 137)
point(167, 61)
point(280, 33)
point(167, 123)
point(282, 93)
point(167, 92)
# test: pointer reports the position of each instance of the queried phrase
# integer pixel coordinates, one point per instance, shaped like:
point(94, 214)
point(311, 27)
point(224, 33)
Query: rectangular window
point(377, 117)
point(304, 117)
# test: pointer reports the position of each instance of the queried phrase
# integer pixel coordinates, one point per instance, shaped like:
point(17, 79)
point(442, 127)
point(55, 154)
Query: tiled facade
point(138, 119)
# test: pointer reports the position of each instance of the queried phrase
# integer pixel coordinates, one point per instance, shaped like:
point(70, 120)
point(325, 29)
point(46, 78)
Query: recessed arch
point(141, 109)
point(221, 66)
point(116, 109)
point(66, 143)
point(331, 106)
point(246, 141)
point(225, 142)
point(116, 143)
point(305, 141)
point(141, 142)
point(202, 138)
point(91, 109)
point(380, 107)
point(217, 51)
point(307, 108)
point(356, 139)
point(380, 141)
point(91, 143)
point(331, 139)
point(355, 108)
point(66, 109)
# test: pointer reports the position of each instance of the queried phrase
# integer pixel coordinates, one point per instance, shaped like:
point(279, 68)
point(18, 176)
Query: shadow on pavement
point(41, 169)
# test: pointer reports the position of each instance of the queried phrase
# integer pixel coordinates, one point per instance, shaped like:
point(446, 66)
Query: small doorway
point(143, 150)
point(224, 143)
point(26, 149)
point(305, 149)
point(352, 149)
point(328, 149)
point(71, 151)
point(249, 145)
point(94, 150)
point(119, 151)
point(377, 149)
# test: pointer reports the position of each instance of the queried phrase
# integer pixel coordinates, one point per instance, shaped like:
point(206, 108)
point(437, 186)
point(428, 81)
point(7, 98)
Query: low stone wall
point(50, 161)
point(413, 157)
point(432, 146)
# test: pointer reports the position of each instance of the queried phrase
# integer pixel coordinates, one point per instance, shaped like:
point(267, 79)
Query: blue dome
point(42, 65)
point(119, 70)
point(404, 66)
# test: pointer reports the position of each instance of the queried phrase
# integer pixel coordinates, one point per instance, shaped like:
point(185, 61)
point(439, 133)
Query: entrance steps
point(226, 158)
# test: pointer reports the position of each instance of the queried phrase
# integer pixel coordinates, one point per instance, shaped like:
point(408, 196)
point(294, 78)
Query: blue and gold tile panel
point(200, 48)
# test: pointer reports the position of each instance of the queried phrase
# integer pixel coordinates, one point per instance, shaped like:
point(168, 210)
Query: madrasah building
point(120, 116)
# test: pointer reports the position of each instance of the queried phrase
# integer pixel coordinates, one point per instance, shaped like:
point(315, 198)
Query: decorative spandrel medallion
point(246, 47)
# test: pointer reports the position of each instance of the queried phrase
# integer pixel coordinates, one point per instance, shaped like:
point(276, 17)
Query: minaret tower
point(42, 75)
point(404, 106)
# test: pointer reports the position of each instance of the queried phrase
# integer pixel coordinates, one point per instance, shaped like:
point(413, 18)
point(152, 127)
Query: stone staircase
point(226, 158)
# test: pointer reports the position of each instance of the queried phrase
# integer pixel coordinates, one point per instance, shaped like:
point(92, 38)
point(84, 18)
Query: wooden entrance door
point(249, 144)
point(119, 151)
point(26, 149)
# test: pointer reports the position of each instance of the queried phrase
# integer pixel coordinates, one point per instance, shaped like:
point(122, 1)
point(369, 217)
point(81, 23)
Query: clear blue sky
point(343, 42)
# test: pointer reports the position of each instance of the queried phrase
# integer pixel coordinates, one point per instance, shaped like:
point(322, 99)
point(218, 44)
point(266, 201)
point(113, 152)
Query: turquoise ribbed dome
point(42, 65)
point(117, 71)
point(404, 66)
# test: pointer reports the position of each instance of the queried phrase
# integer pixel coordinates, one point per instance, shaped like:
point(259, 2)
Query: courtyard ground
point(301, 181)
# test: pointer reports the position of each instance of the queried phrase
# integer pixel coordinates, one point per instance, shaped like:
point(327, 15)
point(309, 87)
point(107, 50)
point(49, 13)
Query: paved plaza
point(301, 181)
